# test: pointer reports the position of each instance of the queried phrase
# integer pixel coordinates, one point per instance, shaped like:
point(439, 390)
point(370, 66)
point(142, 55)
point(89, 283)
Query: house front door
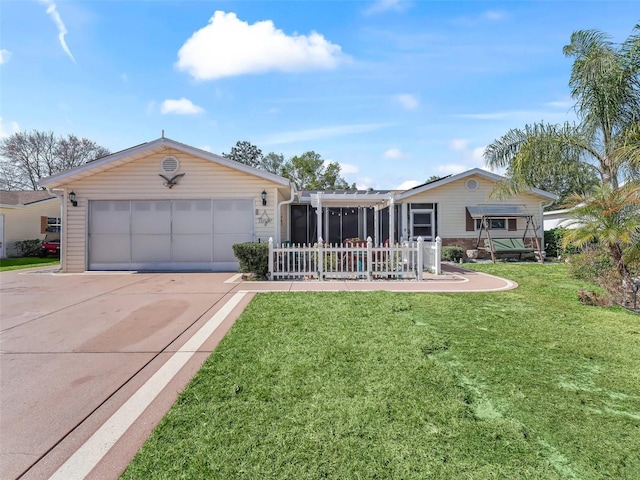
point(422, 224)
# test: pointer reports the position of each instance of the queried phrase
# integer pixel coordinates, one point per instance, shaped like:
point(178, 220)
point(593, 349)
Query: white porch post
point(376, 226)
point(392, 220)
point(318, 206)
point(438, 264)
point(420, 259)
point(270, 258)
point(403, 221)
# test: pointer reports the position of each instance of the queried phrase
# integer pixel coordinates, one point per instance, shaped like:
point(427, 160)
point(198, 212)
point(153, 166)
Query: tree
point(73, 151)
point(26, 157)
point(605, 142)
point(273, 162)
point(307, 171)
point(610, 217)
point(310, 172)
point(245, 152)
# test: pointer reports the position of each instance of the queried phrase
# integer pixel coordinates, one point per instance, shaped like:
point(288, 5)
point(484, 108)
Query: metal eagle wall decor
point(173, 181)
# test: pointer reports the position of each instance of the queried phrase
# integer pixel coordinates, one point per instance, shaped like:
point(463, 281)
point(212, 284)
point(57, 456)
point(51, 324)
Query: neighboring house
point(164, 205)
point(558, 219)
point(26, 215)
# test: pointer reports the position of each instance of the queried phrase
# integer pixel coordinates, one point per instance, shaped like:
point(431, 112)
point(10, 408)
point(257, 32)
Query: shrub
point(253, 257)
point(452, 254)
point(553, 243)
point(590, 266)
point(28, 248)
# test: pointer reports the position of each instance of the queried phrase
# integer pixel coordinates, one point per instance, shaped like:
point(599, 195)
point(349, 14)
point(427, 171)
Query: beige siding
point(140, 180)
point(453, 198)
point(23, 222)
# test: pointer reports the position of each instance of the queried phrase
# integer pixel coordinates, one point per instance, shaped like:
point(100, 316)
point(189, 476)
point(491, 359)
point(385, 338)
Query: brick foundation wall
point(466, 244)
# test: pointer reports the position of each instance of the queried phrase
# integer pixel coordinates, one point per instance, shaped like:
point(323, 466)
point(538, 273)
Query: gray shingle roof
point(23, 197)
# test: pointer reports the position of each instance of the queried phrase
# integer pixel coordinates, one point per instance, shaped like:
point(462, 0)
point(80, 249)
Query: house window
point(50, 224)
point(494, 223)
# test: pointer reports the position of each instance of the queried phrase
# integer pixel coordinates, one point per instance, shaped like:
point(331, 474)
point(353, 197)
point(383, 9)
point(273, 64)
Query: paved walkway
point(90, 363)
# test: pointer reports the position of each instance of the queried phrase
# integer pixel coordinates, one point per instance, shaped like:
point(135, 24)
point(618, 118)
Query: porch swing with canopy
point(505, 217)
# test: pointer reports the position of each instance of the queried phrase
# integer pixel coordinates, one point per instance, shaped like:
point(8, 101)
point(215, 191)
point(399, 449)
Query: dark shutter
point(43, 224)
point(470, 222)
point(512, 224)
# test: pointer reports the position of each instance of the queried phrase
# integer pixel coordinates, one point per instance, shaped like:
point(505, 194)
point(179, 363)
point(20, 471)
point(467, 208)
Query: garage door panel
point(110, 217)
point(192, 216)
point(150, 248)
point(192, 248)
point(232, 216)
point(151, 217)
point(106, 249)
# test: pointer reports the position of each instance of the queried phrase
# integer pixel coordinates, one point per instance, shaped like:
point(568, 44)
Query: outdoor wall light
point(72, 198)
point(264, 198)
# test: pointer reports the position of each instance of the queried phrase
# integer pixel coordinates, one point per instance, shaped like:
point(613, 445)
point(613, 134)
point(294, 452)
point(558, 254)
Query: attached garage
point(166, 206)
point(167, 234)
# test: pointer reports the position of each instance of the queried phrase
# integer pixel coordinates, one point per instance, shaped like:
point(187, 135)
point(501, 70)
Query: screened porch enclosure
point(341, 224)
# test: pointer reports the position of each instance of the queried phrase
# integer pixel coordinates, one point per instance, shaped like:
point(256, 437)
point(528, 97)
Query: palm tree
point(605, 83)
point(609, 217)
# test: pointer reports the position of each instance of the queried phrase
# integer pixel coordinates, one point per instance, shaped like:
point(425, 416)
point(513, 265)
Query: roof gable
point(134, 153)
point(474, 171)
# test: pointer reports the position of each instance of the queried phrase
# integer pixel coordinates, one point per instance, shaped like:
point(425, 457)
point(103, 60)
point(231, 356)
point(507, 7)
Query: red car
point(50, 245)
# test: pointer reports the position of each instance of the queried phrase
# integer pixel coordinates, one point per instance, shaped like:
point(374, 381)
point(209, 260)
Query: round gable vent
point(472, 184)
point(169, 164)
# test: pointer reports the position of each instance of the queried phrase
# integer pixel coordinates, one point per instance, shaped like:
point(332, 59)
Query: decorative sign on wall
point(171, 182)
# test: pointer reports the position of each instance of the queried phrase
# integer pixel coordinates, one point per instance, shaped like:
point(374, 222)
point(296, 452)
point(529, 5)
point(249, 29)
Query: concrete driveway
point(90, 363)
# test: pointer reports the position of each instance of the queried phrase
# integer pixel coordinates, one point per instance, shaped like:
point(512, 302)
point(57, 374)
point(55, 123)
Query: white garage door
point(167, 234)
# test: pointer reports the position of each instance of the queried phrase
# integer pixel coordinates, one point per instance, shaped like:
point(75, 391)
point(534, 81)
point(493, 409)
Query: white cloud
point(459, 144)
point(319, 133)
point(380, 6)
point(449, 168)
point(495, 15)
point(62, 30)
point(393, 154)
point(472, 157)
point(365, 183)
point(407, 184)
point(180, 107)
point(408, 101)
point(552, 115)
point(228, 46)
point(477, 154)
point(348, 168)
point(15, 128)
point(566, 104)
point(206, 148)
point(5, 55)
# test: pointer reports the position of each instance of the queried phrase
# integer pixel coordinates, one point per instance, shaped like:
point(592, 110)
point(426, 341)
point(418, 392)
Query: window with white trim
point(494, 223)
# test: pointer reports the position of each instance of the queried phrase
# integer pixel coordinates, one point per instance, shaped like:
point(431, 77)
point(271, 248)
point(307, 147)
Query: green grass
point(26, 262)
point(520, 384)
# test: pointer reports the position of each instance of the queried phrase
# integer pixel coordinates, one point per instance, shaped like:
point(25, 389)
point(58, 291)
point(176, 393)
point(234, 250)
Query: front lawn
point(520, 384)
point(26, 262)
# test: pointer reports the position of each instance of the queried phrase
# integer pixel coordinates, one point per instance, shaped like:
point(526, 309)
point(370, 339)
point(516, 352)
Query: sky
point(396, 91)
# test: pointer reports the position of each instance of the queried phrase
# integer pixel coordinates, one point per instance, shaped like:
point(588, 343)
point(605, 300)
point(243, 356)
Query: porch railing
point(356, 260)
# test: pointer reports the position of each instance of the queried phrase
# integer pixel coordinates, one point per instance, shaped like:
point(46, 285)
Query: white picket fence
point(361, 260)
